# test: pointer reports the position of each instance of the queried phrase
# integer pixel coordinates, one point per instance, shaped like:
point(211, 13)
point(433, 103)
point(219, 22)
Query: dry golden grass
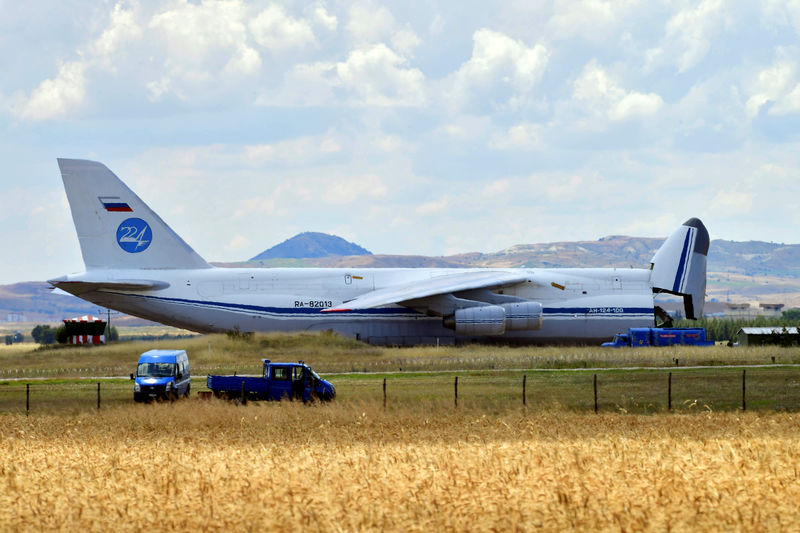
point(7, 350)
point(213, 466)
point(329, 353)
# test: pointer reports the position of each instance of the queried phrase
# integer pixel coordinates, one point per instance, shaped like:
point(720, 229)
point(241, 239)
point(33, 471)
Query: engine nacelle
point(481, 320)
point(523, 316)
point(484, 320)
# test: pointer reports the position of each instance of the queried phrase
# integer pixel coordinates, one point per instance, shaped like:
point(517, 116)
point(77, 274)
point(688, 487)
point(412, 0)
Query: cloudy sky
point(408, 127)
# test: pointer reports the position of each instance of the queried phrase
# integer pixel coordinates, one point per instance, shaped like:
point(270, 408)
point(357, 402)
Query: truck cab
point(620, 339)
point(296, 381)
point(161, 374)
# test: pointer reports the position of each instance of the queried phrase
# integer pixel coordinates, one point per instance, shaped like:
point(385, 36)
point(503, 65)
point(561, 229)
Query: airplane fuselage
point(578, 305)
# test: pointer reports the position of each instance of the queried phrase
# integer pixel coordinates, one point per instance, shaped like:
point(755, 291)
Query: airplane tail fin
point(679, 266)
point(115, 227)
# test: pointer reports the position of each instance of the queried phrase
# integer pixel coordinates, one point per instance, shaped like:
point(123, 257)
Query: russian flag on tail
point(114, 204)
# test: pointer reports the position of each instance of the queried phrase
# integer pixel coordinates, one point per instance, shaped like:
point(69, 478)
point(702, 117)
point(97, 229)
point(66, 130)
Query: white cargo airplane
point(136, 264)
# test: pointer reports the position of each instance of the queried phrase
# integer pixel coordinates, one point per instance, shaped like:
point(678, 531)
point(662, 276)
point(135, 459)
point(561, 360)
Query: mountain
point(755, 258)
point(311, 244)
point(752, 258)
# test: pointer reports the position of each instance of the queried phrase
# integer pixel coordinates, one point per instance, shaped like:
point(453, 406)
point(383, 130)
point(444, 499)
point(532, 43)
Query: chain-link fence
point(637, 391)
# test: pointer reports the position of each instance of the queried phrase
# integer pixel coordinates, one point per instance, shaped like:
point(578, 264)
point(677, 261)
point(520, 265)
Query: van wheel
point(188, 388)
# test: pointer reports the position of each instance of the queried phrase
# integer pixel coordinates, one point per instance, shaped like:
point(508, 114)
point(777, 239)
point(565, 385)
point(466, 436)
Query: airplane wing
point(440, 285)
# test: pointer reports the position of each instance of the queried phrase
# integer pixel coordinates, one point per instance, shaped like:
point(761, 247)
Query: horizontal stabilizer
point(77, 287)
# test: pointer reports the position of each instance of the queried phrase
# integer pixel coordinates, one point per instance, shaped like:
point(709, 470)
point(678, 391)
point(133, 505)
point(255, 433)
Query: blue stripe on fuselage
point(585, 312)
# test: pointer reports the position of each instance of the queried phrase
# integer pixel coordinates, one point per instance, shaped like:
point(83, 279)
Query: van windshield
point(155, 370)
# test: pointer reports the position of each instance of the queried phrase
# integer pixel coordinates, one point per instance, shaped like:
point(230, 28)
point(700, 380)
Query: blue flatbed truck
point(660, 337)
point(278, 381)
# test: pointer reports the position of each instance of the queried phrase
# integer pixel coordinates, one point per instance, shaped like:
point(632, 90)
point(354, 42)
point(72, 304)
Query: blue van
point(161, 374)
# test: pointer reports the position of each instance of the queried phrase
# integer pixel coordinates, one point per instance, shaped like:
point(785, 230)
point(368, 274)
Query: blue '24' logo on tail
point(134, 235)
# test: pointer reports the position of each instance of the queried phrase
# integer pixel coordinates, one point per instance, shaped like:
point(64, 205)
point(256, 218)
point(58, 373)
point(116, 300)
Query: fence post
point(98, 395)
point(524, 379)
point(384, 394)
point(669, 392)
point(27, 399)
point(455, 387)
point(244, 397)
point(595, 393)
point(744, 403)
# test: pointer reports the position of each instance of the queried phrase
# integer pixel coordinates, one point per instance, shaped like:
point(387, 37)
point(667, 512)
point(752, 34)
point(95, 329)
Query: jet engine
point(523, 316)
point(485, 320)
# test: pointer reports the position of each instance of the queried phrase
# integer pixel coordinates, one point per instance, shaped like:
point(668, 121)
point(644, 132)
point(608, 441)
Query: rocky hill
point(752, 258)
point(311, 245)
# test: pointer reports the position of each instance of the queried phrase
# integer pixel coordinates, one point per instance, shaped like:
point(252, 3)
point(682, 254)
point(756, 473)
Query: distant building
point(740, 309)
point(737, 306)
point(86, 329)
point(768, 335)
point(771, 309)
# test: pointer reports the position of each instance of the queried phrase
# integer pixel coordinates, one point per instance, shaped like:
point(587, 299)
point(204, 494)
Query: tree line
point(725, 329)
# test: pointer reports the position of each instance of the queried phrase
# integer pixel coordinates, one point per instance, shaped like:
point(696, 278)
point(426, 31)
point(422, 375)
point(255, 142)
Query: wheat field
point(211, 465)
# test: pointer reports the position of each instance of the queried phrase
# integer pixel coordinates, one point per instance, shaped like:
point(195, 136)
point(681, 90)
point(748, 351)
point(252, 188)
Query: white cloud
point(731, 202)
point(238, 242)
point(592, 19)
point(690, 33)
point(122, 29)
point(246, 61)
point(519, 137)
point(433, 207)
point(372, 76)
point(65, 93)
point(293, 150)
point(56, 97)
point(497, 188)
point(197, 43)
point(602, 95)
point(778, 85)
point(323, 18)
point(494, 55)
point(465, 128)
point(369, 23)
point(194, 32)
point(306, 84)
point(377, 76)
point(635, 105)
point(353, 189)
point(583, 186)
point(274, 30)
point(405, 41)
point(498, 60)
